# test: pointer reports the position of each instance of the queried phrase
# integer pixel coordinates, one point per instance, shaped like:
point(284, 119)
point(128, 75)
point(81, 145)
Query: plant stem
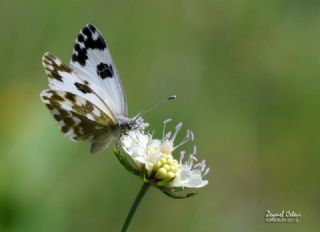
point(134, 206)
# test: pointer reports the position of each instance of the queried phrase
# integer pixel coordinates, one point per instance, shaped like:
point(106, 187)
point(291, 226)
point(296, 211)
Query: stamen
point(200, 166)
point(168, 135)
point(185, 140)
point(182, 153)
point(164, 127)
point(192, 135)
point(206, 172)
point(197, 166)
point(190, 162)
point(194, 150)
point(193, 157)
point(203, 165)
point(188, 134)
point(167, 121)
point(178, 128)
point(182, 142)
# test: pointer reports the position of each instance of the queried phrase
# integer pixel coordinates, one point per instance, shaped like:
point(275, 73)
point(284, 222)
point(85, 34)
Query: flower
point(153, 159)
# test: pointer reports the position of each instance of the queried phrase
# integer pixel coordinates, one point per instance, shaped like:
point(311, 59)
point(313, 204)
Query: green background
point(246, 74)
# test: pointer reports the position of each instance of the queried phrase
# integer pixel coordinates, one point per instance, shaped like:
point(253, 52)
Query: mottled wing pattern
point(91, 59)
point(63, 78)
point(78, 118)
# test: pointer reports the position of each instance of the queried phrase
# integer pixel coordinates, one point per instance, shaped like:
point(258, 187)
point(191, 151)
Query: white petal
point(188, 178)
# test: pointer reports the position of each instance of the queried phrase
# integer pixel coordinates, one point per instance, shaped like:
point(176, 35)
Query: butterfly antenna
point(172, 97)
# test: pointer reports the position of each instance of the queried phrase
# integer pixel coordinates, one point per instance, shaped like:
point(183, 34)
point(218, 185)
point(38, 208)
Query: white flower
point(156, 158)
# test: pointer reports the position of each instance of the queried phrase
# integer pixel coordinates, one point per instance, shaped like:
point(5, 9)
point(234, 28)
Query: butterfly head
point(136, 123)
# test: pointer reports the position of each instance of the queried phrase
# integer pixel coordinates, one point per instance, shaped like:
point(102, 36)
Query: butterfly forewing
point(63, 78)
point(92, 61)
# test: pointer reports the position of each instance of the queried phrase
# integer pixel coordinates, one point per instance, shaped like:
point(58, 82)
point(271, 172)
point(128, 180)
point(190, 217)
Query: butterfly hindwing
point(78, 119)
point(92, 60)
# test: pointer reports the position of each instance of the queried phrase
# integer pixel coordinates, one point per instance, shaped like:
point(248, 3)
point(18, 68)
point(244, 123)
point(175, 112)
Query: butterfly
point(87, 97)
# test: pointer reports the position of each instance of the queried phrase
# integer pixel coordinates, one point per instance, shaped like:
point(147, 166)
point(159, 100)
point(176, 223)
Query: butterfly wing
point(63, 78)
point(92, 60)
point(80, 111)
point(78, 118)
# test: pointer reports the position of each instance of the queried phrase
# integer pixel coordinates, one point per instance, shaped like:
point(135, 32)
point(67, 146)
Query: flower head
point(154, 160)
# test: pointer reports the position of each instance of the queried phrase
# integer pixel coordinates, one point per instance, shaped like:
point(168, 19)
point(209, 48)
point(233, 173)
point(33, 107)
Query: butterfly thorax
point(124, 123)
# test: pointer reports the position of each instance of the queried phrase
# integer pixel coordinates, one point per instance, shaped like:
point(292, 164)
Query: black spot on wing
point(92, 28)
point(89, 38)
point(56, 97)
point(80, 38)
point(71, 97)
point(53, 66)
point(105, 70)
point(49, 107)
point(83, 88)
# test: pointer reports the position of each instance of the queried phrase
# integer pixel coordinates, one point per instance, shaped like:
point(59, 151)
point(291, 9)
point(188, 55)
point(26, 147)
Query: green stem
point(134, 206)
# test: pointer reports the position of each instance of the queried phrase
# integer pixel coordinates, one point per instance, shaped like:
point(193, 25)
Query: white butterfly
point(87, 98)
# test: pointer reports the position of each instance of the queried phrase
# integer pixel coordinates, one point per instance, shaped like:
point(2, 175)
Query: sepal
point(126, 162)
point(171, 193)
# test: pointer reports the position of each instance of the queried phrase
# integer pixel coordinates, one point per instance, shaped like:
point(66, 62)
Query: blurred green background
point(247, 77)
